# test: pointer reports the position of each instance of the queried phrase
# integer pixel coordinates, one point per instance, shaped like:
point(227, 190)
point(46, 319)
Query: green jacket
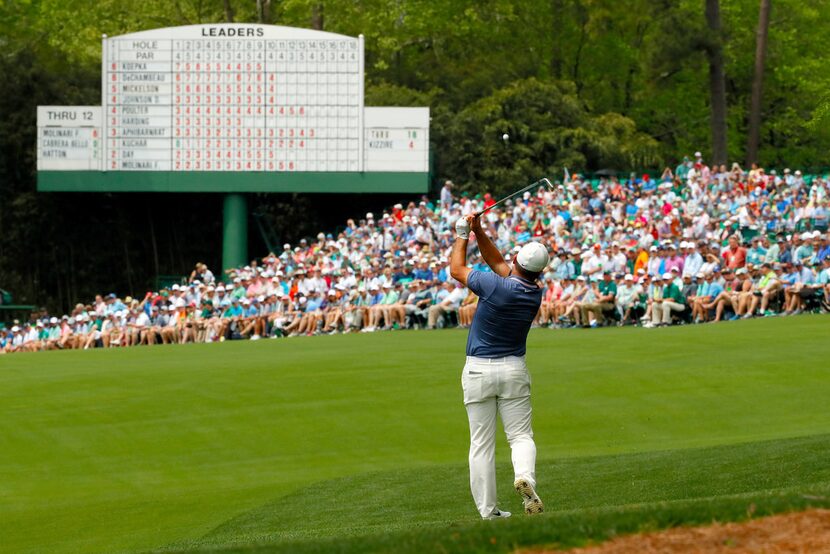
point(674, 293)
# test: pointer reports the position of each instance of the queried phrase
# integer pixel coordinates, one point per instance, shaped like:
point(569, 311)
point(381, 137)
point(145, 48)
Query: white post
point(360, 118)
point(106, 113)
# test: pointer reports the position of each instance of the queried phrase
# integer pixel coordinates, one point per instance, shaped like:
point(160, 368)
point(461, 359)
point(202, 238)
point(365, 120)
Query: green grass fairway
point(359, 443)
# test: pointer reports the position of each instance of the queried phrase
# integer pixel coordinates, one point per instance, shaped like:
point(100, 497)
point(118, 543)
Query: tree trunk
point(717, 83)
point(582, 15)
point(228, 10)
point(317, 17)
point(556, 55)
point(754, 135)
point(263, 11)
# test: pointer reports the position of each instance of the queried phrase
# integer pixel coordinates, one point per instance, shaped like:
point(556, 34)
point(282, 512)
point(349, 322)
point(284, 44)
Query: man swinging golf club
point(495, 377)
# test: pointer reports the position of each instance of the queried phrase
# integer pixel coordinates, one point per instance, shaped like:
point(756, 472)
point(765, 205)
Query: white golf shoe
point(497, 514)
point(531, 501)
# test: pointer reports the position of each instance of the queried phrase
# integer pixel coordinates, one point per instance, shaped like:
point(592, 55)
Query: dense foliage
point(583, 84)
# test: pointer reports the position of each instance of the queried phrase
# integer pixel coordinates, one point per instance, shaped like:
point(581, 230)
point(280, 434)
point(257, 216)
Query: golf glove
point(462, 228)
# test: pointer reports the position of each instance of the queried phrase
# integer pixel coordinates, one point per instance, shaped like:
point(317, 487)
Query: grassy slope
point(392, 503)
point(93, 458)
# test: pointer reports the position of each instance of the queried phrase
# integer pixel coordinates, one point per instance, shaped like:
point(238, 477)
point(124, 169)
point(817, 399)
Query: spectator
point(390, 271)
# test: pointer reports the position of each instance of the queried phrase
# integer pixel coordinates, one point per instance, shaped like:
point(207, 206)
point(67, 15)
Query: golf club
point(543, 182)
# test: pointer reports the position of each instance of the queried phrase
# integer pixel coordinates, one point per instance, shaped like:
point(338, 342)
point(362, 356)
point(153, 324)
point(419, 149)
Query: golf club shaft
point(543, 181)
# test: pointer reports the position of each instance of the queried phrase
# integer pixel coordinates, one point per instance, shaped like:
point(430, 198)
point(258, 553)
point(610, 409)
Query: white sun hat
point(533, 257)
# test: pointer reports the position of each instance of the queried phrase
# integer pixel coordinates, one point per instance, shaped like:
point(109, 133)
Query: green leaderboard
point(236, 181)
point(234, 109)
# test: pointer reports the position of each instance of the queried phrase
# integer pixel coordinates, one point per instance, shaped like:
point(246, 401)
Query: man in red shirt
point(735, 255)
point(488, 200)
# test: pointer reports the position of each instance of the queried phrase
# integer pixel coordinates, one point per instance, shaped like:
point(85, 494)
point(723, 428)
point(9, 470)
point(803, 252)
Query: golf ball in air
point(505, 136)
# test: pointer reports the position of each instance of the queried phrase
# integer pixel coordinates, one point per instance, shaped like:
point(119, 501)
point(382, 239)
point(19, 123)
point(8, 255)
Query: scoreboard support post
point(234, 231)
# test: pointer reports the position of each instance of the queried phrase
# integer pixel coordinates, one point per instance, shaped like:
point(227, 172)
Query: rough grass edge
point(560, 530)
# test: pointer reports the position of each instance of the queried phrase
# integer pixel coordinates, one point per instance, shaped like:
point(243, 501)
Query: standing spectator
point(446, 196)
point(735, 254)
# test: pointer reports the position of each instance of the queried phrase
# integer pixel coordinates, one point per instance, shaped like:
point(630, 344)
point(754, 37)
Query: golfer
point(495, 377)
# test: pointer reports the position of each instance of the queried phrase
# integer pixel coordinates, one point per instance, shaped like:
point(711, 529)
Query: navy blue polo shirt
point(506, 308)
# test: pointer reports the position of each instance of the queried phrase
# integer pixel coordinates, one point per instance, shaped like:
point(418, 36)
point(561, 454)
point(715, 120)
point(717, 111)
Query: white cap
point(667, 277)
point(533, 257)
point(628, 277)
point(53, 320)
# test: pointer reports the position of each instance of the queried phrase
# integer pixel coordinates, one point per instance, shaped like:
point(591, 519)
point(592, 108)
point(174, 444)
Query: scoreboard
point(252, 100)
point(233, 98)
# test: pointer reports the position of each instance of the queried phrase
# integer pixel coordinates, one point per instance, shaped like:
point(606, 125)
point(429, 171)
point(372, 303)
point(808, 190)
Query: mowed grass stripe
point(556, 530)
point(125, 450)
point(437, 496)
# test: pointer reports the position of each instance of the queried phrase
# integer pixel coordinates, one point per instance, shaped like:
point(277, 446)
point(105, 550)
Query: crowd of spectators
point(699, 244)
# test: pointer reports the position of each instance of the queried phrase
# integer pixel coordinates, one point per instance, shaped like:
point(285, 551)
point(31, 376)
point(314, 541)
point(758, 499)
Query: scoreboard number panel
point(397, 139)
point(233, 98)
point(69, 138)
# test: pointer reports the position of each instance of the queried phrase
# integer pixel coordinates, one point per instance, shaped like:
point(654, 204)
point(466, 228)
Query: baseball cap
point(533, 256)
point(667, 276)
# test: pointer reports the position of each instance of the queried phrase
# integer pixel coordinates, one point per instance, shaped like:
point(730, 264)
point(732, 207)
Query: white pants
point(661, 311)
point(502, 386)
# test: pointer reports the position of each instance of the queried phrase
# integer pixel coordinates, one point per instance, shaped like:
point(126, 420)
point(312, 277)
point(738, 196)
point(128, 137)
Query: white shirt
point(617, 262)
point(456, 296)
point(446, 197)
point(692, 264)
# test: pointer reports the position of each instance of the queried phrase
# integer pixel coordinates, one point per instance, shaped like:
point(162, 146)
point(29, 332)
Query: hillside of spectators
point(698, 245)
